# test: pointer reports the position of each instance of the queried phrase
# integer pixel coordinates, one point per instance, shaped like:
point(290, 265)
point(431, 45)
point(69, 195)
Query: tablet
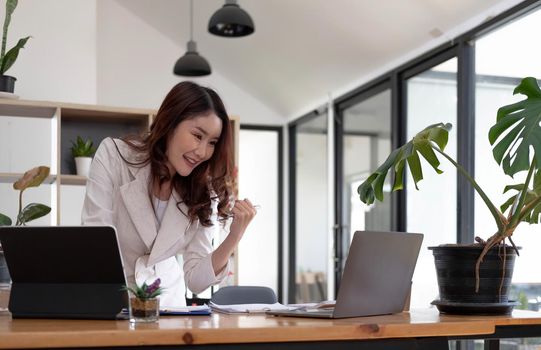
point(64, 272)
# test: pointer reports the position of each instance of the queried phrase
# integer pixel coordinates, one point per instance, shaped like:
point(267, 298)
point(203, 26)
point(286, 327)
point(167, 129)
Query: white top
point(159, 208)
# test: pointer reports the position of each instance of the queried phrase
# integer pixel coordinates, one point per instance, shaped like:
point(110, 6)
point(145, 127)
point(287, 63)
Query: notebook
point(376, 279)
point(64, 272)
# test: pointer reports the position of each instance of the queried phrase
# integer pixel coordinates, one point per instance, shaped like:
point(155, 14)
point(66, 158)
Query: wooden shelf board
point(80, 108)
point(12, 177)
point(46, 109)
point(73, 180)
point(103, 115)
point(22, 108)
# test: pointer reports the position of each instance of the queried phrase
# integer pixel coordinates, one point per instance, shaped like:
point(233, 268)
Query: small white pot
point(82, 164)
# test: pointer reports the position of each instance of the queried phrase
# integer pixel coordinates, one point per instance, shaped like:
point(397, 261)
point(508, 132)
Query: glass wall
point(503, 58)
point(366, 143)
point(431, 98)
point(311, 208)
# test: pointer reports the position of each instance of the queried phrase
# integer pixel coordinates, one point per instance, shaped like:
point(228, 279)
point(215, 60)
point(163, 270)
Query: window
point(431, 98)
point(310, 243)
point(503, 57)
point(364, 142)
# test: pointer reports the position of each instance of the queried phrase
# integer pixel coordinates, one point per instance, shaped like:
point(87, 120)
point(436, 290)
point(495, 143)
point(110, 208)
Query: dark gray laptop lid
point(378, 273)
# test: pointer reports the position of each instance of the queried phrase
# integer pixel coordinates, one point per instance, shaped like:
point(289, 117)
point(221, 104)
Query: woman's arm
point(202, 267)
point(243, 213)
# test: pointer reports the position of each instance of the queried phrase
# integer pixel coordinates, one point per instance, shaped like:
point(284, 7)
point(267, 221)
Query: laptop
point(64, 272)
point(376, 279)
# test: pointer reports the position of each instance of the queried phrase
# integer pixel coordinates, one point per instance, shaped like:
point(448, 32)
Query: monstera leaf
point(531, 202)
point(517, 130)
point(422, 144)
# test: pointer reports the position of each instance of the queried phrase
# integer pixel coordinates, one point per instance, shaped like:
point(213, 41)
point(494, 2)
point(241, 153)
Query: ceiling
point(302, 50)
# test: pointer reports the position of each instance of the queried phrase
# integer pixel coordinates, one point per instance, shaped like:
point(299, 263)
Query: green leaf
point(440, 135)
point(535, 215)
point(427, 152)
point(12, 54)
point(517, 187)
point(506, 142)
point(10, 8)
point(82, 148)
point(32, 211)
point(378, 186)
point(366, 191)
point(32, 178)
point(416, 170)
point(537, 182)
point(507, 203)
point(4, 220)
point(433, 136)
point(531, 195)
point(520, 124)
point(399, 175)
point(528, 87)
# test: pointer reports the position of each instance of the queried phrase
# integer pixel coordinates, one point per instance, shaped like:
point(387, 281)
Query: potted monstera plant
point(7, 82)
point(32, 178)
point(476, 278)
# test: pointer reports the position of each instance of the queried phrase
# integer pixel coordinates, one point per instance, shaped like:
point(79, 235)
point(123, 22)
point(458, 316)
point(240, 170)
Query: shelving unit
point(76, 180)
point(12, 177)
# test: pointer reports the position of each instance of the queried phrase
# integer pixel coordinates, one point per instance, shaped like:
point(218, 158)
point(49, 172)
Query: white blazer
point(117, 194)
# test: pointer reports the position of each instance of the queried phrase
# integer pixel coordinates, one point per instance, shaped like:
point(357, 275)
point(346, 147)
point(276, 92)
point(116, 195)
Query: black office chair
point(244, 295)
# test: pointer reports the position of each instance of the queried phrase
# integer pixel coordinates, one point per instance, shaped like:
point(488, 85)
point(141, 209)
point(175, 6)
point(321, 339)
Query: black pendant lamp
point(192, 64)
point(231, 21)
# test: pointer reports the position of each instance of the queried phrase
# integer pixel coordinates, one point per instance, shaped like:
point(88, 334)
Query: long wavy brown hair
point(210, 180)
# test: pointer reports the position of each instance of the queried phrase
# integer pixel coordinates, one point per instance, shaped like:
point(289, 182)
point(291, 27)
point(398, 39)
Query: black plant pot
point(7, 83)
point(455, 270)
point(4, 273)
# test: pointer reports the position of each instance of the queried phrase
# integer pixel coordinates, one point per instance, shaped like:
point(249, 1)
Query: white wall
point(59, 61)
point(258, 181)
point(135, 67)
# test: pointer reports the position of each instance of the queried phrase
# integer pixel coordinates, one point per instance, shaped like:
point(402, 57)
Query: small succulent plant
point(145, 291)
point(82, 148)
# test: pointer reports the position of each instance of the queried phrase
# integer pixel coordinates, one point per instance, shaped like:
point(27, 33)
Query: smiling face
point(193, 142)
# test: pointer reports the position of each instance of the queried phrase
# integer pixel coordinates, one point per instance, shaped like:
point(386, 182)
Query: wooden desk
point(420, 328)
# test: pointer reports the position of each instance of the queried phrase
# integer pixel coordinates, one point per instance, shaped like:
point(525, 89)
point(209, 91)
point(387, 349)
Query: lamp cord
point(191, 20)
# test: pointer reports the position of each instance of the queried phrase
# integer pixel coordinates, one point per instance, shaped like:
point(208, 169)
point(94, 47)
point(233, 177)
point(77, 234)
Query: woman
point(167, 192)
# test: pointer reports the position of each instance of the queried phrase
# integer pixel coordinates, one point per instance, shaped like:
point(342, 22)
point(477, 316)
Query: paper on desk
point(327, 304)
point(186, 310)
point(247, 308)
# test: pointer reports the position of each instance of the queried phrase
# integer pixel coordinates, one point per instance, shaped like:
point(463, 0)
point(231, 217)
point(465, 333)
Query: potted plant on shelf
point(7, 82)
point(144, 302)
point(32, 178)
point(82, 151)
point(475, 278)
